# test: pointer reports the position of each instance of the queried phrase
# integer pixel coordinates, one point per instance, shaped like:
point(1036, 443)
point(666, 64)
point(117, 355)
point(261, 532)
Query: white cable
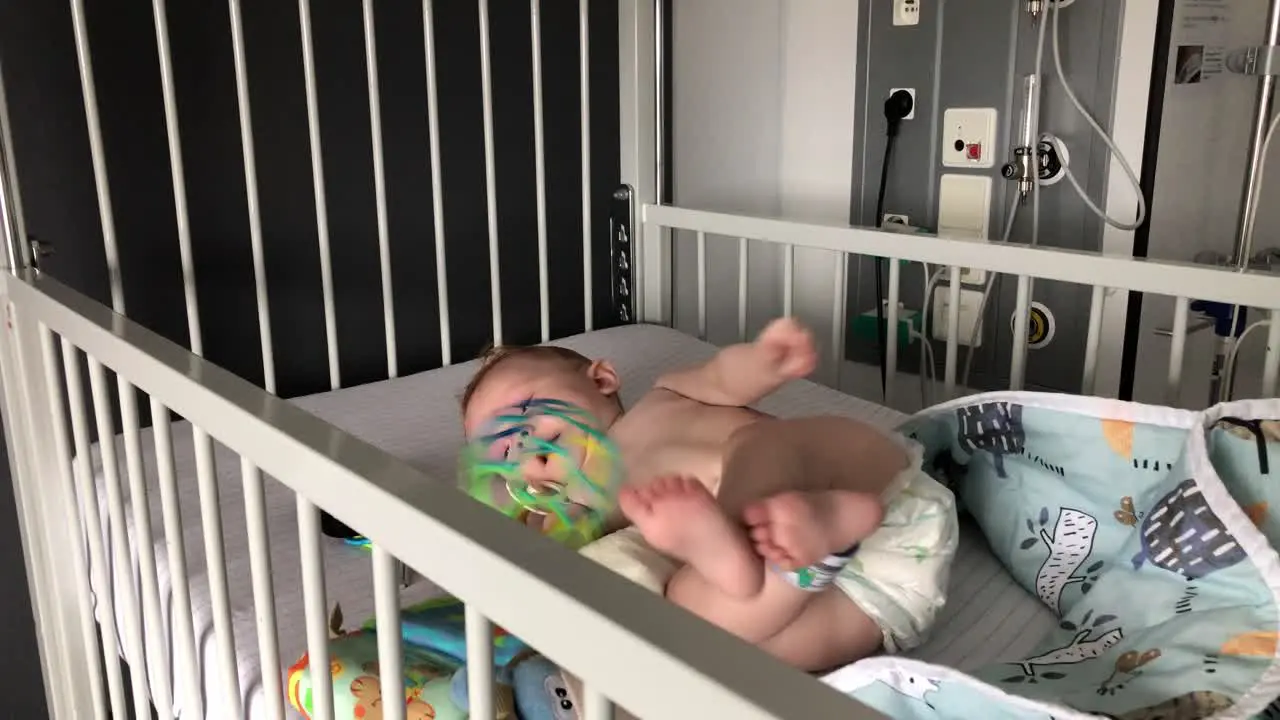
point(926, 355)
point(986, 293)
point(1056, 9)
point(1262, 170)
point(1229, 368)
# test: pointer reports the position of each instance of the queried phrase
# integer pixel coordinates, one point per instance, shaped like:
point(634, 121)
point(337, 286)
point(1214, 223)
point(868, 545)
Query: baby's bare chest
point(667, 435)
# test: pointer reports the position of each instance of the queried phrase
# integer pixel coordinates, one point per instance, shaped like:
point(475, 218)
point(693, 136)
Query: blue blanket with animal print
point(1150, 532)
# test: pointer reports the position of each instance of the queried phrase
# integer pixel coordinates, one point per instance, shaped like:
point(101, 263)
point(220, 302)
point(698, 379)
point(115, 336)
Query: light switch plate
point(969, 137)
point(964, 213)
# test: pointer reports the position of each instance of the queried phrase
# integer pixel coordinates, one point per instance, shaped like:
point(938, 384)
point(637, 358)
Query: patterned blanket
point(1150, 532)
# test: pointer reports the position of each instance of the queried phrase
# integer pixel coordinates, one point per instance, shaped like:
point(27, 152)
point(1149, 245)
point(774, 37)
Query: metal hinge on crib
point(40, 249)
point(622, 253)
point(1260, 60)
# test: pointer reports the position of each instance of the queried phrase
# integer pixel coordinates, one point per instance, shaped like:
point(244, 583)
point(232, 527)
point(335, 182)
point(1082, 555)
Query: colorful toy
point(357, 687)
point(438, 626)
point(537, 687)
point(582, 466)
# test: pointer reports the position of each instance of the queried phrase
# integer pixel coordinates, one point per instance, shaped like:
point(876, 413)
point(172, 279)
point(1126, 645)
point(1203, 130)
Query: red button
point(973, 151)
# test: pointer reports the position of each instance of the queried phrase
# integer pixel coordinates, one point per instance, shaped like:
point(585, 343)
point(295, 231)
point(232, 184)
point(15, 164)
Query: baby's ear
point(603, 374)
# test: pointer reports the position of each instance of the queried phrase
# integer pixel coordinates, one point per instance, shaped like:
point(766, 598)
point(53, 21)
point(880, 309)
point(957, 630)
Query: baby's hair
point(494, 355)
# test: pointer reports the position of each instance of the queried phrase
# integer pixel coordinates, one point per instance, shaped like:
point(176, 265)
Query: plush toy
point(357, 687)
point(434, 647)
point(537, 687)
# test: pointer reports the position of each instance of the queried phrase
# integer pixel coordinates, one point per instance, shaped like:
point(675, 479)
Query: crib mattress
point(988, 618)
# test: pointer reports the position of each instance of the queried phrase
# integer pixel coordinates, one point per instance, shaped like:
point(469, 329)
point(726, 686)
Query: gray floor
point(19, 663)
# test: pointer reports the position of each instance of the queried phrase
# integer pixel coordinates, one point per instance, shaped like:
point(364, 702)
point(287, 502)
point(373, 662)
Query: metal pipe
point(1261, 122)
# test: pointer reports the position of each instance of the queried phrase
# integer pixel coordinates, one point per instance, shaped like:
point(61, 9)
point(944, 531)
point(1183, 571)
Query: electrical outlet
point(970, 300)
point(910, 91)
point(973, 276)
point(894, 218)
point(906, 12)
point(969, 137)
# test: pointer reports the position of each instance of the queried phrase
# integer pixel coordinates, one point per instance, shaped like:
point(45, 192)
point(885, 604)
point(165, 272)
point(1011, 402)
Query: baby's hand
point(788, 347)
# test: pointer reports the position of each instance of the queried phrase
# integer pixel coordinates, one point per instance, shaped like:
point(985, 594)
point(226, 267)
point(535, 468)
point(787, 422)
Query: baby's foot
point(678, 517)
point(797, 529)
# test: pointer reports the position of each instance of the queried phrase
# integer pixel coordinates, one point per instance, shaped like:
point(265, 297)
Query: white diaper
point(900, 573)
point(898, 576)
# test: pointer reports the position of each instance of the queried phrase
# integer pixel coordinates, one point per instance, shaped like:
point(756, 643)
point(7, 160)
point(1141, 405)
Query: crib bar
point(16, 252)
point(1177, 349)
point(317, 183)
point(80, 571)
point(839, 291)
point(788, 279)
point(891, 320)
point(473, 545)
point(179, 176)
point(490, 178)
point(540, 170)
point(264, 597)
point(92, 518)
point(215, 560)
point(386, 596)
point(380, 186)
point(251, 197)
point(1271, 361)
point(98, 155)
point(315, 606)
point(1021, 311)
point(437, 187)
point(595, 706)
point(742, 289)
point(133, 645)
point(702, 285)
point(584, 102)
point(187, 666)
point(953, 330)
point(153, 625)
point(1092, 341)
point(479, 664)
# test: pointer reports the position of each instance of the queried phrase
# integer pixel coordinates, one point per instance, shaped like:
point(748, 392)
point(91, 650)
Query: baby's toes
point(756, 515)
point(633, 501)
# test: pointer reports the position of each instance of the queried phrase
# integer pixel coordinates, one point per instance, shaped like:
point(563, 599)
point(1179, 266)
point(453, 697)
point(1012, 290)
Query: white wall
point(763, 114)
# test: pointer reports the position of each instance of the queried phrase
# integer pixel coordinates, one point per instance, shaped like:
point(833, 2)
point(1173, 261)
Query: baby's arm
point(744, 373)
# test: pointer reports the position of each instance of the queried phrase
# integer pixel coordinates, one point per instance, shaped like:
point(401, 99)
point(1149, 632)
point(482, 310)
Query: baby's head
point(568, 403)
point(510, 376)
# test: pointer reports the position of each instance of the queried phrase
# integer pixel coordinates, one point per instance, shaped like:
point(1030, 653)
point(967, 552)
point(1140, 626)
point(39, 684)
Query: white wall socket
point(969, 137)
point(970, 300)
point(973, 276)
point(906, 12)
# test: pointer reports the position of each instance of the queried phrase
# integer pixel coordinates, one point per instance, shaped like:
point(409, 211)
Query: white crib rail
point(624, 640)
point(1099, 272)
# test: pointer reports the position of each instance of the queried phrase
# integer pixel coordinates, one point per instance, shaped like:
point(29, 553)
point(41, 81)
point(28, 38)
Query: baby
point(818, 539)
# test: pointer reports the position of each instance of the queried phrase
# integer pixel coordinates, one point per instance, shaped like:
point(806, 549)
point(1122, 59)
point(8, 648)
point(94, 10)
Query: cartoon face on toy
point(545, 463)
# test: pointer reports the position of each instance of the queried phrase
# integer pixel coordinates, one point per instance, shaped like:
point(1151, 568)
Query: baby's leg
point(808, 488)
point(678, 517)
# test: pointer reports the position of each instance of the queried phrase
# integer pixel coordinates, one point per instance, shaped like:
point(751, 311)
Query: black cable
point(896, 108)
point(882, 332)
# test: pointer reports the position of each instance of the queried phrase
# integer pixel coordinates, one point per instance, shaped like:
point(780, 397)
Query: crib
point(215, 520)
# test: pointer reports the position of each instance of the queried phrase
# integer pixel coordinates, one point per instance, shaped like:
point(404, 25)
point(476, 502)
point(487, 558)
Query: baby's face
point(518, 382)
